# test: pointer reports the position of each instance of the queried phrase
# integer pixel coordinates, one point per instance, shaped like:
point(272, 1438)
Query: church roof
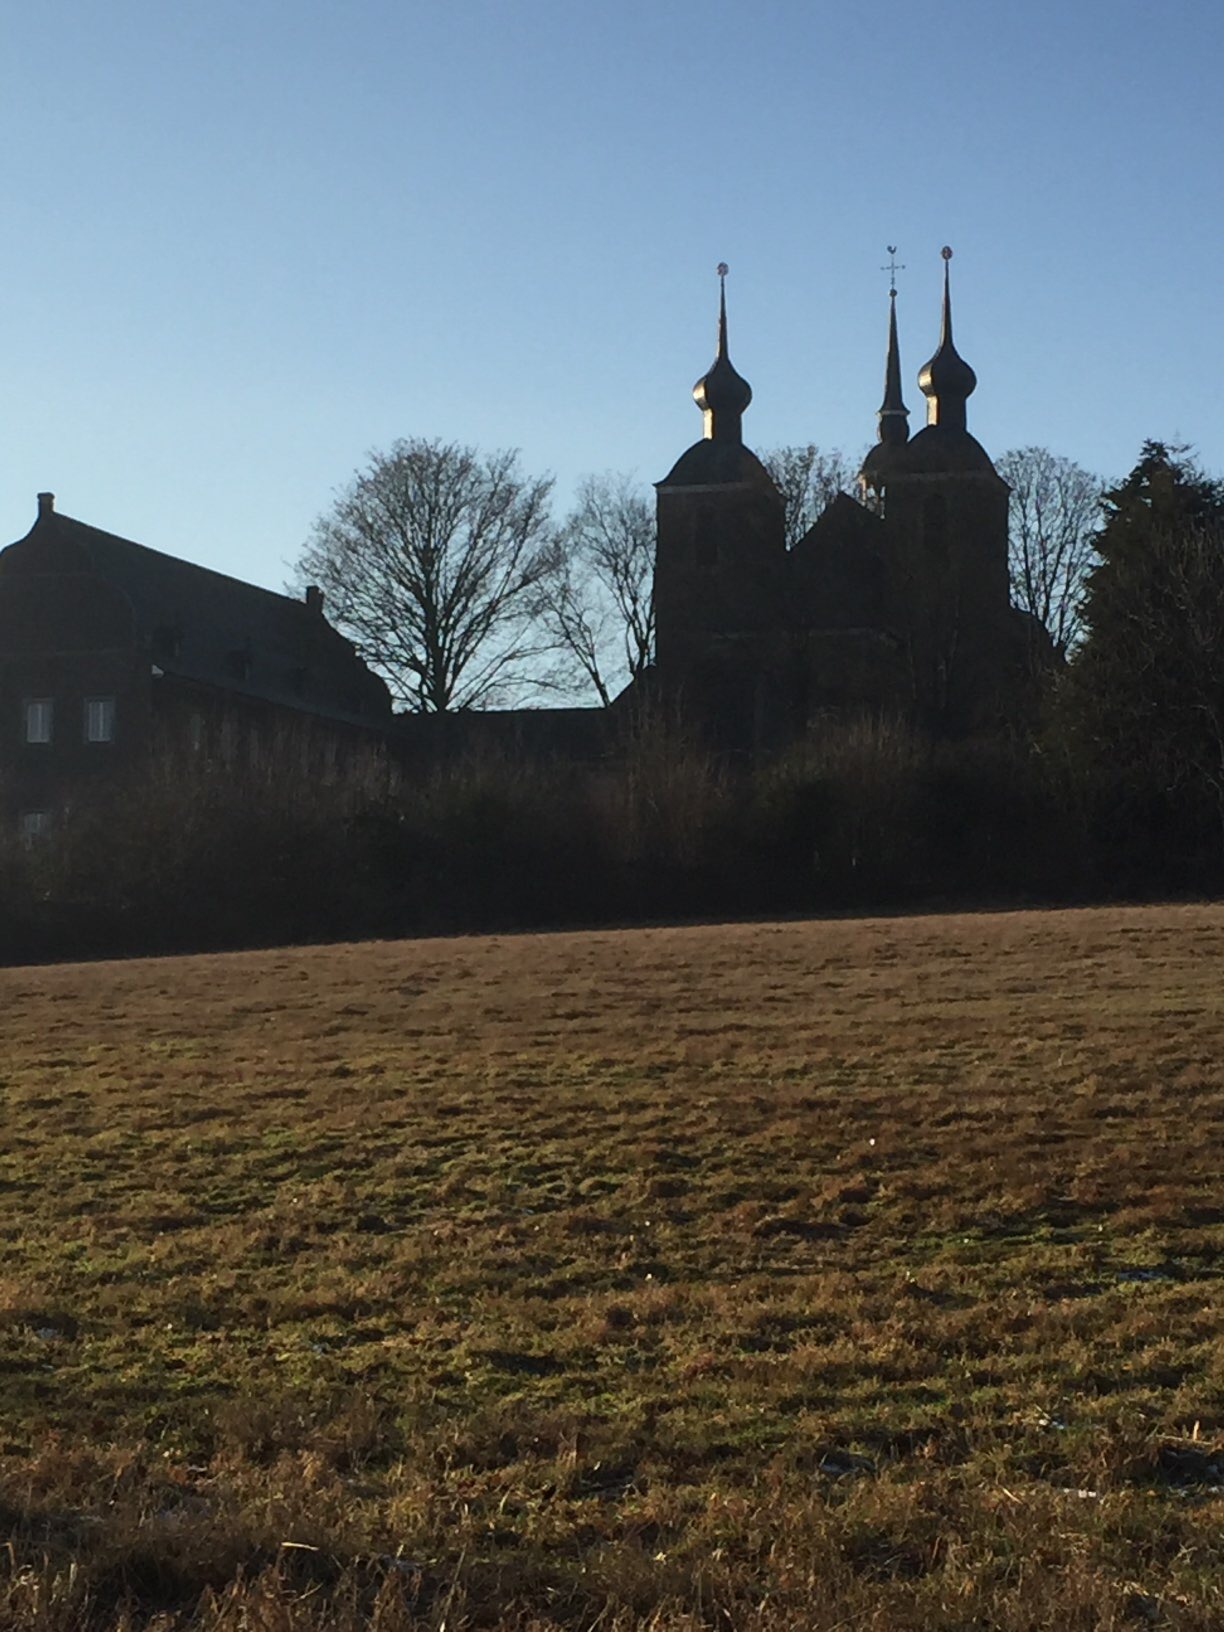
point(940, 450)
point(947, 381)
point(722, 393)
point(711, 463)
point(720, 459)
point(893, 415)
point(205, 626)
point(944, 446)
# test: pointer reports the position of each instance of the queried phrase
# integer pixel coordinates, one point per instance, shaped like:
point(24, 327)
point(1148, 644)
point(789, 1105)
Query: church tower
point(720, 555)
point(944, 507)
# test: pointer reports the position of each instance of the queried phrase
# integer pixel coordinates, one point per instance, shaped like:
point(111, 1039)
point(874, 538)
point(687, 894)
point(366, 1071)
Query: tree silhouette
point(597, 599)
point(1053, 515)
point(1146, 691)
point(430, 559)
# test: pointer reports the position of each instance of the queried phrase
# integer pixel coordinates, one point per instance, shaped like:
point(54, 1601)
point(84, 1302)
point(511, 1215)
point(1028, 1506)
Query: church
point(895, 602)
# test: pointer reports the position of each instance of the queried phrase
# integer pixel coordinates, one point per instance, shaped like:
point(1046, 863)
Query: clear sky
point(245, 241)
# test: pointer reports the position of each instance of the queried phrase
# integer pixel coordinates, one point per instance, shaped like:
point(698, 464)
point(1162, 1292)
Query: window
point(33, 825)
point(99, 719)
point(37, 717)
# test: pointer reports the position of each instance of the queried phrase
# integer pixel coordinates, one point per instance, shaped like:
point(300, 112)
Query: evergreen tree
point(1146, 692)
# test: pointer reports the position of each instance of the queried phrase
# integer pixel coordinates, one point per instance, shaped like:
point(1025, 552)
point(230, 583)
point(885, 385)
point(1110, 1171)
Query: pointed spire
point(894, 415)
point(722, 394)
point(947, 381)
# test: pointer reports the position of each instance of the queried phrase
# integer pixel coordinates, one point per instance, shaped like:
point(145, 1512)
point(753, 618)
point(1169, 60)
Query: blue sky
point(247, 242)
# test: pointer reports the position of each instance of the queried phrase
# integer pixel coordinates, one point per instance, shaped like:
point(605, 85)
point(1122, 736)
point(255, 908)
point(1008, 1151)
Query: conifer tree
point(1146, 692)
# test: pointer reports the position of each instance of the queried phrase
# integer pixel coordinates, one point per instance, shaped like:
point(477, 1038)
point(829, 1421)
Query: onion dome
point(947, 381)
point(722, 394)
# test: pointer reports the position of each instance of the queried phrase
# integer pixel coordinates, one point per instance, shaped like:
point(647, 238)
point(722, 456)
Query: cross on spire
point(894, 266)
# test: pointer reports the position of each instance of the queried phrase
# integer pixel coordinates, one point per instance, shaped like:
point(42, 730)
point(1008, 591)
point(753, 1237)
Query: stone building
point(895, 602)
point(112, 653)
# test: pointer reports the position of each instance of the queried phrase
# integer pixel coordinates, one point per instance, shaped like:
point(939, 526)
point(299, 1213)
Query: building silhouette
point(895, 602)
point(112, 653)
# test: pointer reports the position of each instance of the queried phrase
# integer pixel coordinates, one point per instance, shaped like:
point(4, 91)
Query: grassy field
point(850, 1275)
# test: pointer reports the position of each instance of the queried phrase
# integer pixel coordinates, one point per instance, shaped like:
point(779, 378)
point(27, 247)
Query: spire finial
point(945, 327)
point(722, 394)
point(894, 266)
point(947, 381)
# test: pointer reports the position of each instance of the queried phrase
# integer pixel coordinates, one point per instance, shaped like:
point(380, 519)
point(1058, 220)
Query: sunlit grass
point(853, 1274)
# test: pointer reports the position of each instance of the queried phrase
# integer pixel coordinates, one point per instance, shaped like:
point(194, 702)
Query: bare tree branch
point(598, 600)
point(1054, 515)
point(808, 478)
point(429, 560)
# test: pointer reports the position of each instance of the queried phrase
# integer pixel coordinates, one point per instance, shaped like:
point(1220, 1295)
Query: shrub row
point(865, 816)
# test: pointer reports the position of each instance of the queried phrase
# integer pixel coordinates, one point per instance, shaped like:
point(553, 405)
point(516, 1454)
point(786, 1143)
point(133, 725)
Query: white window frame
point(36, 726)
point(99, 719)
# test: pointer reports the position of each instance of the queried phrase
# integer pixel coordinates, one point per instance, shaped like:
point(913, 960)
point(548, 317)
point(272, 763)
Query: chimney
point(46, 505)
point(314, 599)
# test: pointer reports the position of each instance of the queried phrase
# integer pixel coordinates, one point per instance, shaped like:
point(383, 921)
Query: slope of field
point(804, 1275)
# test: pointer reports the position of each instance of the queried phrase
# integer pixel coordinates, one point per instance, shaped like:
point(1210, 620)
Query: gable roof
point(837, 567)
point(207, 627)
point(843, 521)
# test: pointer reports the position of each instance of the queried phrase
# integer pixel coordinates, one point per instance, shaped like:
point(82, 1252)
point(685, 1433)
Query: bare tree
point(430, 559)
point(578, 615)
point(597, 602)
point(808, 478)
point(1054, 515)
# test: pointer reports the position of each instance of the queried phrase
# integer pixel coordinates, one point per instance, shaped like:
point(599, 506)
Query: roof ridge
point(176, 560)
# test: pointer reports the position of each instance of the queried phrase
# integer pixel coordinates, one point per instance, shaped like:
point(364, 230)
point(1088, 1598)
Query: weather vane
point(894, 266)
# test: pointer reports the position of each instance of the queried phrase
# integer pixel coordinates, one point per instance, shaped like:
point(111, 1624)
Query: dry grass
point(843, 1275)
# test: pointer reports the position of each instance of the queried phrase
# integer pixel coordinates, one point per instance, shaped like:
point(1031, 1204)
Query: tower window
point(38, 717)
point(99, 719)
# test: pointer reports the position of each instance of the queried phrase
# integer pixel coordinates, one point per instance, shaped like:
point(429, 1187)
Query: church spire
point(722, 394)
point(947, 381)
point(894, 415)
